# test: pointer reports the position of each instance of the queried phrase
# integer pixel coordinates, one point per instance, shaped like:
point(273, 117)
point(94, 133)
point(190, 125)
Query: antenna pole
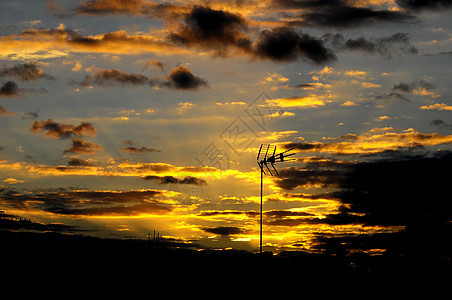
point(262, 187)
point(265, 161)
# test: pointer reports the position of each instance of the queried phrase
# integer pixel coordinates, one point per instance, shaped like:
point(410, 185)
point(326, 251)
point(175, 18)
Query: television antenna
point(270, 157)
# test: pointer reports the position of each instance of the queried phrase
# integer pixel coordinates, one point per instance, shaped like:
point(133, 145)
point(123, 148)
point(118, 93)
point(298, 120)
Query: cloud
point(311, 101)
point(108, 77)
point(287, 218)
point(113, 168)
point(25, 72)
point(141, 150)
point(59, 130)
point(285, 44)
point(154, 64)
point(440, 123)
point(100, 7)
point(341, 14)
point(418, 5)
point(396, 44)
point(292, 177)
point(179, 78)
point(145, 8)
point(372, 142)
point(397, 191)
point(416, 87)
point(46, 43)
point(83, 147)
point(182, 78)
point(88, 202)
point(392, 97)
point(222, 31)
point(212, 29)
point(77, 162)
point(10, 89)
point(171, 179)
point(5, 112)
point(11, 180)
point(223, 230)
point(438, 106)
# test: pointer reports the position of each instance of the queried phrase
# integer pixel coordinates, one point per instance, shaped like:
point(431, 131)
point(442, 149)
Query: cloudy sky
point(119, 117)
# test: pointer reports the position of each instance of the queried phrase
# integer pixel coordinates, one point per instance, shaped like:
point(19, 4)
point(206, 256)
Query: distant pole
point(262, 187)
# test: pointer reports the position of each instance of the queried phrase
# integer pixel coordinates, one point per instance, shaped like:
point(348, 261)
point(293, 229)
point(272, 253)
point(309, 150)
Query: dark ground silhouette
point(64, 253)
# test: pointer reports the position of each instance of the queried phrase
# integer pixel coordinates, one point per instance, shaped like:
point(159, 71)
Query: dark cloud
point(348, 16)
point(292, 177)
point(305, 3)
point(182, 78)
point(223, 230)
point(213, 29)
point(109, 77)
point(398, 191)
point(396, 44)
point(440, 124)
point(340, 14)
point(60, 130)
point(418, 5)
point(10, 89)
point(87, 203)
point(83, 147)
point(286, 213)
point(287, 218)
point(179, 78)
point(303, 146)
point(140, 150)
point(25, 72)
point(250, 213)
point(411, 87)
point(393, 96)
point(398, 90)
point(30, 115)
point(285, 44)
point(172, 179)
point(101, 7)
point(221, 31)
point(77, 162)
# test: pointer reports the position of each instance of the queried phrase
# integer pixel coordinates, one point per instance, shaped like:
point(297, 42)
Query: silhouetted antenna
point(264, 160)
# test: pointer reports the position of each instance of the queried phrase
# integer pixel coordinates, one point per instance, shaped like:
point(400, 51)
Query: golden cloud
point(373, 141)
point(47, 43)
point(311, 101)
point(438, 106)
point(123, 169)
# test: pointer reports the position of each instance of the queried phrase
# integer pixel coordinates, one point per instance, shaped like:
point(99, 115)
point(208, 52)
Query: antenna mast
point(266, 159)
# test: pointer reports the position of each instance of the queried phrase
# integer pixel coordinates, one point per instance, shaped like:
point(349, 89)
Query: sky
point(120, 117)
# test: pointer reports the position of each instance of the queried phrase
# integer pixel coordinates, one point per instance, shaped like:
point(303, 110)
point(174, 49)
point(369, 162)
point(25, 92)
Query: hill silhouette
point(66, 252)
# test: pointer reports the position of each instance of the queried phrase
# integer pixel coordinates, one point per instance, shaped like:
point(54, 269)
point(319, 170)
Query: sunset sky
point(120, 117)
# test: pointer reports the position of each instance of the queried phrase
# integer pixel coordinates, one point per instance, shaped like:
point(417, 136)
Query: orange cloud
point(46, 43)
point(438, 106)
point(374, 141)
